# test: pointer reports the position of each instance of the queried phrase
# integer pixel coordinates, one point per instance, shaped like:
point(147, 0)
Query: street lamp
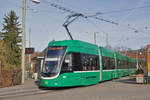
point(36, 1)
point(24, 38)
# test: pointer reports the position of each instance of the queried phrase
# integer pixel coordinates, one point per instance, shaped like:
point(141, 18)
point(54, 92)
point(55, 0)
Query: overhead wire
point(131, 12)
point(121, 10)
point(73, 12)
point(95, 17)
point(92, 16)
point(58, 7)
point(100, 29)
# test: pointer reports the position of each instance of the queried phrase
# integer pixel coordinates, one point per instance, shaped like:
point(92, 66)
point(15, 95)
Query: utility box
point(140, 78)
point(149, 74)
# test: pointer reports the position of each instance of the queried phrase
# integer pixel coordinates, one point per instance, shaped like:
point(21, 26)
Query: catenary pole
point(23, 41)
point(24, 38)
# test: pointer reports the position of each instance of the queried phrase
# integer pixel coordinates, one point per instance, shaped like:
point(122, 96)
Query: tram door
point(100, 62)
point(71, 68)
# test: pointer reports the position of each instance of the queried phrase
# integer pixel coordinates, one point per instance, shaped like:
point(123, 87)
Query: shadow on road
point(126, 80)
point(37, 83)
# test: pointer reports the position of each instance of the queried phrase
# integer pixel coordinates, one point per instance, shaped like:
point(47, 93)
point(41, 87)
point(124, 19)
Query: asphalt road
point(118, 89)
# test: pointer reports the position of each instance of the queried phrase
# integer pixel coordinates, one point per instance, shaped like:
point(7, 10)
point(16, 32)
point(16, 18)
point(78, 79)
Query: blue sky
point(46, 21)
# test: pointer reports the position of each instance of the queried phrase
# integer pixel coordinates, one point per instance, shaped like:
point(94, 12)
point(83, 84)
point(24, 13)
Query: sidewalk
point(31, 83)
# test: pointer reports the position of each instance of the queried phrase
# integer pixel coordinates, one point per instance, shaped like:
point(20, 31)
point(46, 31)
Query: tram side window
point(76, 62)
point(113, 63)
point(129, 64)
point(80, 62)
point(72, 62)
point(122, 64)
point(108, 63)
point(96, 62)
point(89, 62)
point(118, 64)
point(132, 65)
point(125, 65)
point(67, 64)
point(84, 62)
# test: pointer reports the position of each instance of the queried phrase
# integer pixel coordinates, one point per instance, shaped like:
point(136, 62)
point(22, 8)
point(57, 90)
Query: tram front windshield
point(52, 60)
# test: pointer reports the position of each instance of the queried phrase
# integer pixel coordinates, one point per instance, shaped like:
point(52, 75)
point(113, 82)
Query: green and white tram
point(76, 63)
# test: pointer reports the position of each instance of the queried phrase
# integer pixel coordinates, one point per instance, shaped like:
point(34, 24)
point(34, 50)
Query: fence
point(10, 77)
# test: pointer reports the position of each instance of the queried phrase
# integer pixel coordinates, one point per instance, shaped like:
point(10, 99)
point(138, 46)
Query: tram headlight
point(56, 83)
point(46, 82)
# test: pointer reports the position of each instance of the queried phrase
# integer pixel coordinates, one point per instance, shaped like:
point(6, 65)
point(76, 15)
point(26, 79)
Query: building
point(34, 67)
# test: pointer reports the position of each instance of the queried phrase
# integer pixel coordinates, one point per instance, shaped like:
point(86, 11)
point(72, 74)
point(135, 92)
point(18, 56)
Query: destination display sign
point(29, 50)
point(56, 48)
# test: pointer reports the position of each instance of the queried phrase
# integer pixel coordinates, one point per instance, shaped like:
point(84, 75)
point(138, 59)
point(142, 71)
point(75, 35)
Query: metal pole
point(29, 54)
point(137, 60)
point(107, 43)
point(23, 41)
point(94, 37)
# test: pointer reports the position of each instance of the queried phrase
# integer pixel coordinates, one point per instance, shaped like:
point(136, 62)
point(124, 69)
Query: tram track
point(3, 91)
point(17, 91)
point(23, 93)
point(30, 91)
